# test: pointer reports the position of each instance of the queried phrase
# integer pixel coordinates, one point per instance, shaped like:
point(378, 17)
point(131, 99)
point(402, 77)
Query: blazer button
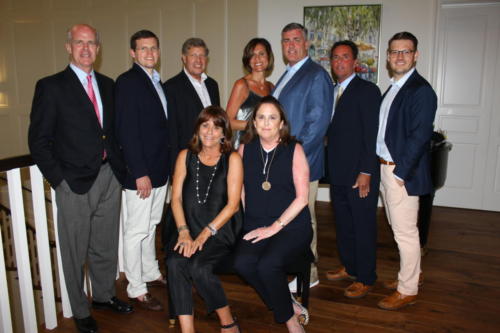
point(104, 137)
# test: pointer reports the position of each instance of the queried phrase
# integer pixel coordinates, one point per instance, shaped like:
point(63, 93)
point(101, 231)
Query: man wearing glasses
point(142, 130)
point(405, 128)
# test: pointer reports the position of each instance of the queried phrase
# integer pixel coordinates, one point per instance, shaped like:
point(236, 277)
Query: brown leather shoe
point(148, 303)
point(339, 274)
point(357, 290)
point(393, 285)
point(161, 282)
point(396, 301)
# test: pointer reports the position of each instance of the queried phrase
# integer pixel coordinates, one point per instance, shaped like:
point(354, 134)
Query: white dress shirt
point(382, 150)
point(200, 87)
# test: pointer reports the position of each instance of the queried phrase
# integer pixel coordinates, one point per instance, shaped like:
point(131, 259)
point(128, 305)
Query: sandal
point(233, 324)
point(303, 317)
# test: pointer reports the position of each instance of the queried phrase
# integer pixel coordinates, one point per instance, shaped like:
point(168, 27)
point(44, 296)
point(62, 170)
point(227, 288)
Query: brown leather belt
point(382, 161)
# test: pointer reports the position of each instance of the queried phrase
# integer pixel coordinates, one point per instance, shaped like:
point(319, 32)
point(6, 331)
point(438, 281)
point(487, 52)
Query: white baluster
point(42, 242)
point(5, 319)
point(21, 248)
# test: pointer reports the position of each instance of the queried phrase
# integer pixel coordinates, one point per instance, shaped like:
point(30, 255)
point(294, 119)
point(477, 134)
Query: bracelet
point(212, 230)
point(182, 227)
point(282, 225)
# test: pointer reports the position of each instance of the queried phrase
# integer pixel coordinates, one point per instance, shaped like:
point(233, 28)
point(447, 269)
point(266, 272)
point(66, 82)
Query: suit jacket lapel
point(150, 85)
point(81, 94)
point(398, 99)
point(296, 77)
point(192, 91)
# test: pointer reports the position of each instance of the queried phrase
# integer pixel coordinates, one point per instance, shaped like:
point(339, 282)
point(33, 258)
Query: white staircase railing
point(22, 256)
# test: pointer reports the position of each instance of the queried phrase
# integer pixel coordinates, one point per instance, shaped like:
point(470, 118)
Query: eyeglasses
point(146, 49)
point(396, 53)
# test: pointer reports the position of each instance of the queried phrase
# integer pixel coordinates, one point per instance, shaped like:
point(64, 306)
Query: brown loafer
point(148, 303)
point(161, 282)
point(339, 274)
point(397, 301)
point(393, 285)
point(357, 290)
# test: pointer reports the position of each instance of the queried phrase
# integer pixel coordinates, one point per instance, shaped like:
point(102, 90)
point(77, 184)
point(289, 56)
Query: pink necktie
point(93, 99)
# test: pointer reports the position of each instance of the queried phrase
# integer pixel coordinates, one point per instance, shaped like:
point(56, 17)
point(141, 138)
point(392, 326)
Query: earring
point(222, 140)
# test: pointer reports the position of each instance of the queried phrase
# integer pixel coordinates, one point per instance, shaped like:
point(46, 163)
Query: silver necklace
point(198, 180)
point(266, 185)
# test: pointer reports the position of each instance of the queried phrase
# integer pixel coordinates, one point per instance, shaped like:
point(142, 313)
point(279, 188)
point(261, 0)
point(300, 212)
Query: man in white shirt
point(142, 130)
point(405, 129)
point(188, 93)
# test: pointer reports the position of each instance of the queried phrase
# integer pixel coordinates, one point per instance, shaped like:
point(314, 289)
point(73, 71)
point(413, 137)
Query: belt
point(104, 161)
point(382, 161)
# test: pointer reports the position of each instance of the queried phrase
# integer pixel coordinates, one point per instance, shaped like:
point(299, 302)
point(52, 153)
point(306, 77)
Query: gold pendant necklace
point(266, 185)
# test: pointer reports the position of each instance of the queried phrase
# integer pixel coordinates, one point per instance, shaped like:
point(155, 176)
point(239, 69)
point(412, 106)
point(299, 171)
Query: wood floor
point(461, 292)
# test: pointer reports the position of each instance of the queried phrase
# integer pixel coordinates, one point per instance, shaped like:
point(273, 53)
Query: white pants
point(402, 214)
point(139, 230)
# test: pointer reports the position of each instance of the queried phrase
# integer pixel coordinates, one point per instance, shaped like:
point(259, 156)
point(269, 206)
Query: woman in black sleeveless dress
point(205, 203)
point(277, 226)
point(247, 91)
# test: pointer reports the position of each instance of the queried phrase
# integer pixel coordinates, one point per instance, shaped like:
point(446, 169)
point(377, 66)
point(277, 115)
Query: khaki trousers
point(402, 214)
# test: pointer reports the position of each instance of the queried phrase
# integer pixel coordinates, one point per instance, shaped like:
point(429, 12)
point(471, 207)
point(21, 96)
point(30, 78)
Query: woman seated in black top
point(277, 224)
point(205, 202)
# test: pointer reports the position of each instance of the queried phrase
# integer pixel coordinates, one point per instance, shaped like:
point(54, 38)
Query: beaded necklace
point(198, 180)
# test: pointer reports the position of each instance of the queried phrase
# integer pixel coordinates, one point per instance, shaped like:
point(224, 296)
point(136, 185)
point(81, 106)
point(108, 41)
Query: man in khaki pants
point(405, 128)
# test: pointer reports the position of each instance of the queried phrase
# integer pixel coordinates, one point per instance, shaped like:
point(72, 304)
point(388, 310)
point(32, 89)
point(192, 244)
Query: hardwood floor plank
point(461, 291)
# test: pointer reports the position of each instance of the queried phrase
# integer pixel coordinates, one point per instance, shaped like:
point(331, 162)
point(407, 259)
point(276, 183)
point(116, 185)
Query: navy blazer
point(408, 133)
point(184, 106)
point(65, 138)
point(352, 134)
point(142, 128)
point(308, 101)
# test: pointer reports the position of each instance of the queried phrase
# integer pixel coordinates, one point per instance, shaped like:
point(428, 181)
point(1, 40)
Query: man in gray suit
point(306, 93)
point(71, 139)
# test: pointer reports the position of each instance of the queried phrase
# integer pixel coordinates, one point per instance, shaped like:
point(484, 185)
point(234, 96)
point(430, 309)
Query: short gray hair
point(295, 26)
point(193, 42)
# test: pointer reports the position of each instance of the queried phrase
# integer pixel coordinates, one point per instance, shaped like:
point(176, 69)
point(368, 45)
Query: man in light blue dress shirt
point(142, 130)
point(306, 93)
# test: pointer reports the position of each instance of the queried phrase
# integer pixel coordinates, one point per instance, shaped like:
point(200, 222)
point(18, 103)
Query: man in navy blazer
point(188, 93)
point(142, 127)
point(72, 140)
point(306, 93)
point(354, 170)
point(405, 128)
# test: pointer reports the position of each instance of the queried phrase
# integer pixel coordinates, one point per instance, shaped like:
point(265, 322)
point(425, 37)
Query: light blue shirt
point(82, 76)
point(382, 150)
point(156, 80)
point(344, 85)
point(290, 72)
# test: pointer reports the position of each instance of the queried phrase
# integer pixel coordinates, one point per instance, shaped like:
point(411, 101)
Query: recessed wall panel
point(33, 55)
point(465, 50)
point(461, 166)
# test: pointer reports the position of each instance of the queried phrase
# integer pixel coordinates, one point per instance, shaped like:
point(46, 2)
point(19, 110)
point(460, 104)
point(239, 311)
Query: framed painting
point(358, 23)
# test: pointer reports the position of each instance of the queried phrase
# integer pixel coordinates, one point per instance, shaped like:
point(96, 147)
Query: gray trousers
point(88, 226)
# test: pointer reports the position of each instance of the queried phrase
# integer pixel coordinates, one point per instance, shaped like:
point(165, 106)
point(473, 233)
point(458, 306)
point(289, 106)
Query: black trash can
point(439, 149)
